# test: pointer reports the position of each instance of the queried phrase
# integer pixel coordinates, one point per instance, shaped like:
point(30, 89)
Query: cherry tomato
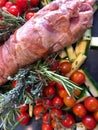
point(38, 110)
point(58, 101)
point(2, 3)
point(89, 122)
point(50, 91)
point(54, 66)
point(24, 117)
point(8, 4)
point(34, 2)
point(47, 103)
point(56, 112)
point(23, 108)
point(78, 77)
point(29, 15)
point(14, 10)
point(65, 67)
point(22, 4)
point(60, 86)
point(79, 110)
point(14, 83)
point(62, 93)
point(55, 124)
point(69, 121)
point(46, 117)
point(46, 127)
point(69, 101)
point(77, 92)
point(95, 114)
point(91, 104)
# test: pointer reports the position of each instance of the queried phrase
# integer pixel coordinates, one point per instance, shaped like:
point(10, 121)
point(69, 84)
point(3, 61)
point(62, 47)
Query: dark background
point(91, 65)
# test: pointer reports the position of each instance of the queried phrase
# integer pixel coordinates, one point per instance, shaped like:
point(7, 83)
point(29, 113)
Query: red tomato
point(14, 10)
point(29, 15)
point(56, 125)
point(77, 92)
point(89, 122)
point(91, 104)
point(24, 117)
point(23, 108)
point(95, 114)
point(62, 93)
point(56, 112)
point(46, 127)
point(78, 77)
point(79, 110)
point(65, 67)
point(49, 91)
point(34, 2)
point(38, 110)
point(47, 103)
point(46, 117)
point(60, 86)
point(2, 3)
point(69, 121)
point(14, 83)
point(69, 101)
point(54, 66)
point(8, 4)
point(58, 101)
point(22, 4)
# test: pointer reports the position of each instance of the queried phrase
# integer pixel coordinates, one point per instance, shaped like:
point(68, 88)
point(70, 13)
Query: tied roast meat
point(53, 27)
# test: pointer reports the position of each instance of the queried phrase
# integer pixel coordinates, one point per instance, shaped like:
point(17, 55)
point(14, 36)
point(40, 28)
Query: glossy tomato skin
point(2, 3)
point(89, 122)
point(14, 83)
point(25, 117)
point(56, 112)
point(78, 77)
point(69, 121)
point(69, 101)
point(62, 93)
point(91, 104)
point(14, 10)
point(8, 4)
point(57, 101)
point(22, 4)
point(65, 67)
point(23, 108)
point(34, 2)
point(50, 91)
point(60, 86)
point(29, 15)
point(46, 117)
point(38, 110)
point(79, 110)
point(95, 114)
point(47, 103)
point(47, 126)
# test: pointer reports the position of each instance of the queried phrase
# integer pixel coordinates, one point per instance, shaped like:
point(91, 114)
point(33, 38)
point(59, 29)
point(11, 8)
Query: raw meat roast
point(54, 27)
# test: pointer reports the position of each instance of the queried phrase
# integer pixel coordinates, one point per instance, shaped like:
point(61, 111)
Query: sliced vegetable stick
point(30, 110)
point(77, 63)
point(71, 53)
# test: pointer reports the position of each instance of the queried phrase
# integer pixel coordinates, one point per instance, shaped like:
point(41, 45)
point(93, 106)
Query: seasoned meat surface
point(54, 27)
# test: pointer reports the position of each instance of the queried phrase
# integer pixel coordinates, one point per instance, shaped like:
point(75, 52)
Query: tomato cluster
point(57, 108)
point(19, 7)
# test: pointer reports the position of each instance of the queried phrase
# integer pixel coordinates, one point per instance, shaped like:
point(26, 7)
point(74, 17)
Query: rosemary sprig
point(68, 84)
point(9, 24)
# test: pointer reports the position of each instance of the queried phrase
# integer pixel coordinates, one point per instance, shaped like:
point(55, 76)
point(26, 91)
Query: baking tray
point(91, 65)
